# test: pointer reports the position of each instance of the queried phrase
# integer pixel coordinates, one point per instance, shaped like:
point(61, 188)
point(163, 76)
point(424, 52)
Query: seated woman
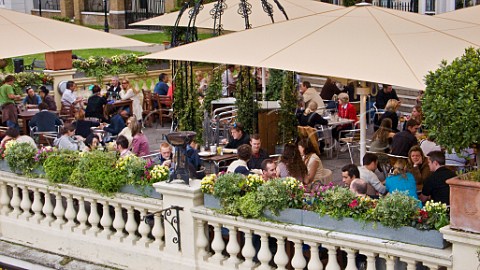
point(417, 115)
point(291, 163)
point(418, 166)
point(310, 117)
point(135, 95)
point(391, 112)
point(92, 142)
point(95, 104)
point(68, 140)
point(127, 131)
point(382, 137)
point(239, 136)
point(83, 127)
point(401, 180)
point(315, 170)
point(140, 145)
point(14, 134)
point(345, 110)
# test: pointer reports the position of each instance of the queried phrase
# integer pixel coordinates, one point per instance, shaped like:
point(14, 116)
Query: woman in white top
point(316, 172)
point(135, 95)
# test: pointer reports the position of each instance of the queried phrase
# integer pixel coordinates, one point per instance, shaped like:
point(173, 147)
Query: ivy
point(245, 100)
point(287, 124)
point(275, 83)
point(451, 102)
point(214, 89)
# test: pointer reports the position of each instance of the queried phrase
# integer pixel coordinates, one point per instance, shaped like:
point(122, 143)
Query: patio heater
point(180, 140)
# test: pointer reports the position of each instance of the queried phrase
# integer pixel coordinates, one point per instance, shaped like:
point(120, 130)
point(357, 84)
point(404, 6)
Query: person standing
point(7, 102)
point(229, 82)
point(310, 94)
point(385, 95)
point(52, 106)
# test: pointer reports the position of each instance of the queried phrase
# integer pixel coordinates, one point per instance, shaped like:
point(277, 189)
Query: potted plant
point(59, 165)
point(141, 174)
point(452, 93)
point(20, 157)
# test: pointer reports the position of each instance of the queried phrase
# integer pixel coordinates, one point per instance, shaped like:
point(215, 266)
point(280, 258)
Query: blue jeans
point(12, 124)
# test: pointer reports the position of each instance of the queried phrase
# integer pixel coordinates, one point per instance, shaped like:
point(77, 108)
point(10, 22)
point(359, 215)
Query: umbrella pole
point(363, 91)
point(264, 85)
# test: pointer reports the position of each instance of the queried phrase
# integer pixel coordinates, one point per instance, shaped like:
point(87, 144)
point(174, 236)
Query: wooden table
point(118, 104)
point(217, 159)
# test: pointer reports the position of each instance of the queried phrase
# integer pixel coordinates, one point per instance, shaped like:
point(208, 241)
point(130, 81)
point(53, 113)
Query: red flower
point(353, 204)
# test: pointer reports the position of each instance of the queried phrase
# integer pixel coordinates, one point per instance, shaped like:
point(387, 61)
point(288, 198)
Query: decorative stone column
point(465, 248)
point(78, 7)
point(67, 8)
point(179, 194)
point(169, 5)
point(117, 14)
point(59, 76)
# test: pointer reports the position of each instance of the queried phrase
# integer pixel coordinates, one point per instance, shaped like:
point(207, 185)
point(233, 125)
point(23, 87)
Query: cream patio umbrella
point(470, 14)
point(232, 21)
point(362, 42)
point(24, 34)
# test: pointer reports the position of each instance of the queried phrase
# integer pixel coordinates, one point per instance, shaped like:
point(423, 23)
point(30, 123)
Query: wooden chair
point(311, 134)
point(147, 107)
point(67, 112)
point(165, 109)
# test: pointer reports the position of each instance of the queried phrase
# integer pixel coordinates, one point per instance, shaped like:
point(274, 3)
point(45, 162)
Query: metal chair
point(325, 135)
point(351, 138)
point(221, 120)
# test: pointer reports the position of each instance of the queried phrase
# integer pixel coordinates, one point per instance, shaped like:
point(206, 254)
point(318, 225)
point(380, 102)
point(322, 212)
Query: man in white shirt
point(69, 96)
point(310, 94)
point(367, 173)
point(229, 82)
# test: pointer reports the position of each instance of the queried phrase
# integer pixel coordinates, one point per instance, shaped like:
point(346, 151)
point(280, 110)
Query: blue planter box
point(4, 166)
point(141, 191)
point(209, 201)
point(289, 215)
point(409, 235)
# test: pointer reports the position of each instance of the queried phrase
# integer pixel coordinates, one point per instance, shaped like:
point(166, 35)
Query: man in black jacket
point(435, 187)
point(45, 120)
point(404, 140)
point(258, 154)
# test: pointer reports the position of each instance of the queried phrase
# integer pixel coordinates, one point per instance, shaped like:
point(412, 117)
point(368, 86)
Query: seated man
point(52, 106)
point(166, 155)
point(435, 186)
point(258, 154)
point(31, 98)
point(359, 187)
point(45, 120)
point(240, 165)
point(95, 104)
point(404, 140)
point(69, 97)
point(349, 173)
point(269, 169)
point(239, 137)
point(122, 146)
point(367, 173)
point(117, 123)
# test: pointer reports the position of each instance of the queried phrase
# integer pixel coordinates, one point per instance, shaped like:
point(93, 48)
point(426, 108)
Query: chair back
point(147, 101)
point(311, 134)
point(165, 101)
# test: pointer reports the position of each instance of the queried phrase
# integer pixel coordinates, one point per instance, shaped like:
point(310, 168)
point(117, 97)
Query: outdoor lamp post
point(40, 8)
point(105, 28)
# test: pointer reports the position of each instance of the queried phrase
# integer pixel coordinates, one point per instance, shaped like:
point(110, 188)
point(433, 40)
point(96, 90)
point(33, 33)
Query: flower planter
point(39, 170)
point(464, 205)
point(289, 215)
point(4, 166)
point(141, 191)
point(409, 235)
point(209, 201)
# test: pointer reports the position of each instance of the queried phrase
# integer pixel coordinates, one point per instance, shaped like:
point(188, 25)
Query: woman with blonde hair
point(401, 180)
point(382, 137)
point(391, 112)
point(345, 110)
point(310, 117)
point(135, 95)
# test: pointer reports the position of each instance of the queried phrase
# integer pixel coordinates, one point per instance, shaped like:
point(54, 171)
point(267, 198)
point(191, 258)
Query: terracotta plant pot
point(3, 63)
point(464, 205)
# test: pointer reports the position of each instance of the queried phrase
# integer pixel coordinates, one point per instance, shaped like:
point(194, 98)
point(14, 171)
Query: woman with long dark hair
point(291, 163)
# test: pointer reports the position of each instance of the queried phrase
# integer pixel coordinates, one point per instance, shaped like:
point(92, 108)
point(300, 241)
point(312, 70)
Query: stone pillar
point(179, 194)
point(59, 76)
point(169, 5)
point(117, 14)
point(465, 248)
point(421, 7)
point(67, 8)
point(78, 6)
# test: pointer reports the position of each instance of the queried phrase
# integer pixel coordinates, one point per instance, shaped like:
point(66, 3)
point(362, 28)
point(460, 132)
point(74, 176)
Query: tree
point(451, 102)
point(287, 123)
point(245, 100)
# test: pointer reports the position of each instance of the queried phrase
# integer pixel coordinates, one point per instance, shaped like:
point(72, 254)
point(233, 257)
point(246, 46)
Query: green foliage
point(20, 156)
point(278, 194)
point(275, 84)
point(228, 185)
point(99, 67)
point(24, 79)
point(62, 18)
point(396, 210)
point(245, 100)
point(60, 165)
point(451, 102)
point(214, 89)
point(249, 206)
point(287, 123)
point(335, 202)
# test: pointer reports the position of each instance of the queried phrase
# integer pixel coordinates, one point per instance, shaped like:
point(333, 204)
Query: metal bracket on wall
point(174, 221)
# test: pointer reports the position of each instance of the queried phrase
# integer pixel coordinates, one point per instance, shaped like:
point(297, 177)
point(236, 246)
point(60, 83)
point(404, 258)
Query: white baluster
point(217, 244)
point(25, 204)
point(118, 222)
point(314, 262)
point(58, 211)
point(264, 254)
point(389, 262)
point(332, 258)
point(82, 216)
point(158, 231)
point(281, 257)
point(351, 255)
point(430, 266)
point(202, 240)
point(233, 248)
point(131, 226)
point(37, 206)
point(93, 218)
point(70, 213)
point(370, 260)
point(410, 264)
point(15, 202)
point(106, 221)
point(4, 199)
point(248, 251)
point(152, 85)
point(298, 260)
point(144, 230)
point(48, 209)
